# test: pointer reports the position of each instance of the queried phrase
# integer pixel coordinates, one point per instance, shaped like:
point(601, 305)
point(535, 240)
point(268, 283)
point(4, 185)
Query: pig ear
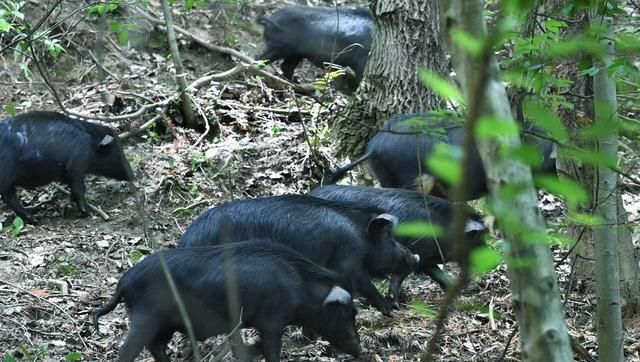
point(473, 225)
point(106, 141)
point(382, 220)
point(337, 295)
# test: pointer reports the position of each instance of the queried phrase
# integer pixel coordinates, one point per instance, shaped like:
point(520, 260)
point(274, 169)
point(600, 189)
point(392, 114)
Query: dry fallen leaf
point(40, 293)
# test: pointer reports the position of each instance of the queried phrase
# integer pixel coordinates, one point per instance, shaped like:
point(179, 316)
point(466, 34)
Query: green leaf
point(569, 189)
point(423, 308)
point(592, 157)
point(527, 154)
point(8, 358)
point(135, 255)
point(560, 240)
point(441, 86)
point(17, 226)
point(484, 260)
point(73, 356)
point(517, 6)
point(493, 127)
point(468, 42)
point(10, 108)
point(123, 37)
point(567, 48)
point(554, 25)
point(417, 229)
point(541, 116)
point(584, 219)
point(444, 164)
point(626, 42)
point(4, 25)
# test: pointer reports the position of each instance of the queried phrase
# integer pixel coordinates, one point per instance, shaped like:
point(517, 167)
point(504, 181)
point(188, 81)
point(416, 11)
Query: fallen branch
point(92, 207)
point(306, 89)
point(272, 110)
point(224, 50)
point(149, 123)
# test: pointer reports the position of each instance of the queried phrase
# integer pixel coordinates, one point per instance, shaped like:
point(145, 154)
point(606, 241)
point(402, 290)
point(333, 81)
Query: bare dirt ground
point(54, 274)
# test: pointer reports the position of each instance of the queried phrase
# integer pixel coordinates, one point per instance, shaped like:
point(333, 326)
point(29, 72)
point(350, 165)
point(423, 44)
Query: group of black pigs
point(272, 261)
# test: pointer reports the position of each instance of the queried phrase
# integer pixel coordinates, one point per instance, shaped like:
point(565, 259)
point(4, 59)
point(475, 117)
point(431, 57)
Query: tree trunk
point(607, 272)
point(406, 39)
point(581, 115)
point(181, 78)
point(583, 262)
point(535, 291)
point(629, 274)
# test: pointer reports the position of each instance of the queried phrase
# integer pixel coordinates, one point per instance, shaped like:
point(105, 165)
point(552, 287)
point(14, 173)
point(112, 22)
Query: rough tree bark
point(534, 287)
point(181, 77)
point(607, 273)
point(406, 39)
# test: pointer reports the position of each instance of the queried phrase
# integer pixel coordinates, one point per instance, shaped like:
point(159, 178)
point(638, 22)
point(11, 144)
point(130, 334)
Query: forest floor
point(54, 274)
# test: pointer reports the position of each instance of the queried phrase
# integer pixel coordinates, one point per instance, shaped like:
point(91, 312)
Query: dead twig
point(95, 209)
point(73, 320)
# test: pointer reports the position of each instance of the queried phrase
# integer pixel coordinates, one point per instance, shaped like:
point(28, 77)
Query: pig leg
point(271, 344)
point(366, 288)
point(441, 277)
point(158, 347)
point(394, 289)
point(289, 65)
point(240, 351)
point(78, 189)
point(11, 198)
point(141, 334)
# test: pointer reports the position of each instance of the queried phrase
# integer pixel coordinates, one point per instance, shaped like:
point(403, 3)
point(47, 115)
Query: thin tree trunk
point(535, 291)
point(181, 77)
point(629, 273)
point(406, 39)
point(607, 272)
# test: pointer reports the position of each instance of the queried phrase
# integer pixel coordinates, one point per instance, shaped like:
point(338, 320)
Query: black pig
point(397, 153)
point(320, 35)
point(276, 287)
point(37, 148)
point(414, 206)
point(355, 240)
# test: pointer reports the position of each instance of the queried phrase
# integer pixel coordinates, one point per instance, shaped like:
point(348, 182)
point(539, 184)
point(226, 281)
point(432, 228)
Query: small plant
point(38, 354)
point(193, 191)
point(102, 8)
point(15, 228)
point(190, 4)
point(152, 136)
point(65, 266)
point(231, 40)
point(321, 84)
point(73, 356)
point(198, 159)
point(135, 255)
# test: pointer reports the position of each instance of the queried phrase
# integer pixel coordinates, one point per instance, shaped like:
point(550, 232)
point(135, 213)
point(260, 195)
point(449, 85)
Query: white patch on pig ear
point(337, 295)
point(554, 151)
point(473, 225)
point(107, 140)
point(386, 217)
